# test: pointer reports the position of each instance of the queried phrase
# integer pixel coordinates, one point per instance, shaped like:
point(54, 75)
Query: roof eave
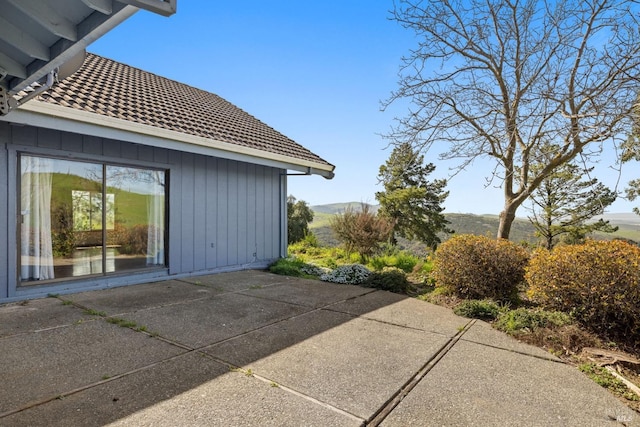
point(64, 50)
point(42, 114)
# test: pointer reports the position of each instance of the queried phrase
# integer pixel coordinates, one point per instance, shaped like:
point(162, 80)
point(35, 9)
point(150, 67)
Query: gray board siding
point(223, 214)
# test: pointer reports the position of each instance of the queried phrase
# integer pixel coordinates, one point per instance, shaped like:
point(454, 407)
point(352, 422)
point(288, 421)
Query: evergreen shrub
point(477, 267)
point(598, 282)
point(478, 309)
point(528, 320)
point(389, 279)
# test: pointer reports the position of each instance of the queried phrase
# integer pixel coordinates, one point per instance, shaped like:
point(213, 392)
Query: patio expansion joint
point(311, 399)
point(66, 394)
point(311, 310)
point(250, 373)
point(524, 353)
point(267, 325)
point(224, 291)
point(379, 416)
point(244, 292)
point(155, 307)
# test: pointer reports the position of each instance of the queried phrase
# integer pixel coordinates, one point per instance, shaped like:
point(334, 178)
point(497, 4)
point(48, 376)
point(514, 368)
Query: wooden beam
point(89, 30)
point(22, 40)
point(102, 6)
point(13, 67)
point(47, 16)
point(161, 7)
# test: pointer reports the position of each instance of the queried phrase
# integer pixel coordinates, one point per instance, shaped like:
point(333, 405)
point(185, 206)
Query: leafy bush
point(379, 262)
point(406, 262)
point(353, 274)
point(478, 309)
point(288, 267)
point(331, 263)
point(309, 244)
point(299, 215)
point(477, 267)
point(402, 260)
point(598, 282)
point(362, 231)
point(390, 279)
point(528, 320)
point(313, 270)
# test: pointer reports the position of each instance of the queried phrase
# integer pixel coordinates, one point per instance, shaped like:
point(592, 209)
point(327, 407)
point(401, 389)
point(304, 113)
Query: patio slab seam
point(265, 326)
point(226, 291)
point(551, 358)
point(379, 416)
point(384, 322)
point(171, 304)
point(121, 375)
point(245, 293)
point(311, 399)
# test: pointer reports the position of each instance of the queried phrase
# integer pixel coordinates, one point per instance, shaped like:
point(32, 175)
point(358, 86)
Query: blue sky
point(314, 71)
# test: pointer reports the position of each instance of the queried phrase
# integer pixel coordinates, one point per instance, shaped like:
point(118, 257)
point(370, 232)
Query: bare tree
point(631, 152)
point(502, 78)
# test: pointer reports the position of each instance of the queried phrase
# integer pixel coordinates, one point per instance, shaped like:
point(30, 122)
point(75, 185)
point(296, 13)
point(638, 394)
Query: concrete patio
point(255, 349)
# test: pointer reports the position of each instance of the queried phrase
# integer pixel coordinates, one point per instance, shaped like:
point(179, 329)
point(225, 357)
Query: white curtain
point(36, 246)
point(155, 220)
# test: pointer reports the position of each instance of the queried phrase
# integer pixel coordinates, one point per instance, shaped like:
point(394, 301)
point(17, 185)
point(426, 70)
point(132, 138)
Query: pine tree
point(564, 203)
point(413, 203)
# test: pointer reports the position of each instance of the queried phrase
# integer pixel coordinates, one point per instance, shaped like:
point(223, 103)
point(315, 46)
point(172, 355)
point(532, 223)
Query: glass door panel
point(135, 220)
point(61, 219)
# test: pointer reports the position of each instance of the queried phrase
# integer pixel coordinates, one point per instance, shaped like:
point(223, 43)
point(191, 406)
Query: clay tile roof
point(113, 89)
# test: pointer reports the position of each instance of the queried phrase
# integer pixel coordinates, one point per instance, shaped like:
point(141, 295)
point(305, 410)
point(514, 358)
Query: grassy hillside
point(521, 230)
point(336, 208)
point(130, 207)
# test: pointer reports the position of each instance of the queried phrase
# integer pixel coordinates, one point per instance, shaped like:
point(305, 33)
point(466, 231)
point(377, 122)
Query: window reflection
point(80, 218)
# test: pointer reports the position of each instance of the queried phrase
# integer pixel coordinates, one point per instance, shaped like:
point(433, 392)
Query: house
point(118, 176)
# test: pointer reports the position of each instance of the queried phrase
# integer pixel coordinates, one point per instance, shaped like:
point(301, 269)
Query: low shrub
point(478, 309)
point(528, 320)
point(313, 270)
point(378, 263)
point(353, 274)
point(296, 267)
point(331, 263)
point(597, 282)
point(477, 267)
point(389, 279)
point(288, 267)
point(406, 262)
point(561, 340)
point(604, 378)
point(301, 249)
point(403, 261)
point(362, 230)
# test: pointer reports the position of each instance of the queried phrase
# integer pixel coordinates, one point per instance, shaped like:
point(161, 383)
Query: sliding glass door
point(81, 218)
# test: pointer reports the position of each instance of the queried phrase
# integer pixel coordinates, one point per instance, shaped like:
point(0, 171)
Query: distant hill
point(521, 230)
point(336, 208)
point(621, 218)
